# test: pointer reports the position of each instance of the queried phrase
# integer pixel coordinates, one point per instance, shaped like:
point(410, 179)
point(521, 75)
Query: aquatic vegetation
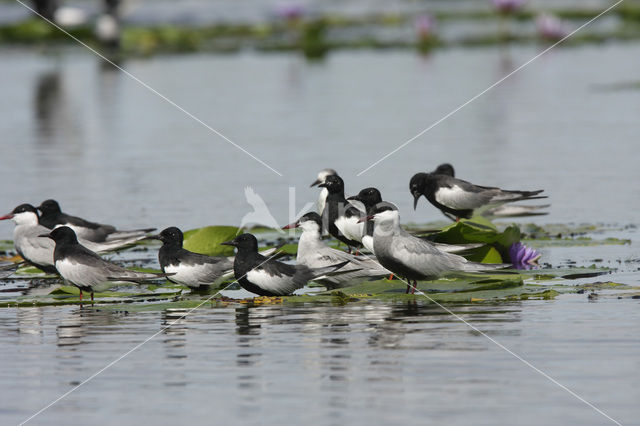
point(207, 240)
point(294, 28)
point(425, 26)
point(30, 287)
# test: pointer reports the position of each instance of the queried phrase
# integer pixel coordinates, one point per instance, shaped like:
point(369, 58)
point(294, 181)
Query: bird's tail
point(328, 271)
point(510, 196)
point(456, 248)
point(516, 210)
point(483, 267)
point(134, 233)
point(112, 245)
point(140, 277)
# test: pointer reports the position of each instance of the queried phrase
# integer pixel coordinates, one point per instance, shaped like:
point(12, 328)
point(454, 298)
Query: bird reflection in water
point(175, 344)
point(82, 322)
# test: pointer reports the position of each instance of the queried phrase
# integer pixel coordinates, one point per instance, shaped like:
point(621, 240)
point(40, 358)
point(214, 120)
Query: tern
point(38, 251)
point(266, 276)
point(322, 176)
point(87, 270)
point(503, 210)
point(460, 198)
point(335, 209)
point(314, 253)
point(52, 216)
point(193, 269)
point(414, 258)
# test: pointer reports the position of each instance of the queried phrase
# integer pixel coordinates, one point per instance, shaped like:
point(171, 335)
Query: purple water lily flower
point(550, 27)
point(425, 26)
point(523, 257)
point(508, 6)
point(290, 11)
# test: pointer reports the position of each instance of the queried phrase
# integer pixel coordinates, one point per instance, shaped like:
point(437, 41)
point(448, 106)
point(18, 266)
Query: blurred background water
point(76, 129)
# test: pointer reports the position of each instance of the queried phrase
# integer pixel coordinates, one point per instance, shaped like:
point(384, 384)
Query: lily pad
point(479, 230)
point(207, 240)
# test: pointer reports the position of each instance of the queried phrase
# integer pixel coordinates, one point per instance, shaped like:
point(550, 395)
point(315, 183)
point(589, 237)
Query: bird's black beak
point(316, 182)
point(228, 243)
point(45, 235)
point(355, 197)
point(322, 185)
point(416, 197)
point(153, 237)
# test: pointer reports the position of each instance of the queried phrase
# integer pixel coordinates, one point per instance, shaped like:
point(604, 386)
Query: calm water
point(372, 364)
point(108, 149)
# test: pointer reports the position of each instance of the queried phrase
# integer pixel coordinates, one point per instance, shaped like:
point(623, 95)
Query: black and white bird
point(370, 198)
point(85, 269)
point(444, 169)
point(52, 216)
point(336, 208)
point(266, 276)
point(322, 197)
point(414, 258)
point(191, 269)
point(314, 253)
point(500, 210)
point(460, 198)
point(38, 251)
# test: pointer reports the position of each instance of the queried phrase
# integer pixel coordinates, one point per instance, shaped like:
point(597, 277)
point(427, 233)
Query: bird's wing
point(87, 268)
point(34, 248)
point(276, 277)
point(462, 195)
point(70, 221)
point(206, 269)
point(423, 257)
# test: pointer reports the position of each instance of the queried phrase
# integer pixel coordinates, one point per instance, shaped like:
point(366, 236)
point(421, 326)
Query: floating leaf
point(479, 230)
point(207, 240)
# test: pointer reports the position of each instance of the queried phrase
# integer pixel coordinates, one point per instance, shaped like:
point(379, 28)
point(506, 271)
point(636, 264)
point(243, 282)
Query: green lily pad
point(207, 240)
point(480, 230)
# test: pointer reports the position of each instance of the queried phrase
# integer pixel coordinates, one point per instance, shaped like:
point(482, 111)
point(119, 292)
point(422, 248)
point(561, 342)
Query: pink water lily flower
point(425, 26)
point(551, 27)
point(508, 6)
point(290, 11)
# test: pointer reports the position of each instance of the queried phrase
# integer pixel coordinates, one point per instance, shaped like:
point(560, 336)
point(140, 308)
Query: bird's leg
point(349, 249)
point(356, 253)
point(415, 284)
point(390, 277)
point(80, 295)
point(408, 286)
point(457, 219)
point(92, 297)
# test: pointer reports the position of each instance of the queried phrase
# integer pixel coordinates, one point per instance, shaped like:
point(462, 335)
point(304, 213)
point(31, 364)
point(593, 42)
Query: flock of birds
point(56, 242)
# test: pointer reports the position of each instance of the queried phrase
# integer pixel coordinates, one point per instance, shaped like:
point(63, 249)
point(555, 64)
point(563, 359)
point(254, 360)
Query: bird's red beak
point(7, 216)
point(365, 218)
point(291, 225)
